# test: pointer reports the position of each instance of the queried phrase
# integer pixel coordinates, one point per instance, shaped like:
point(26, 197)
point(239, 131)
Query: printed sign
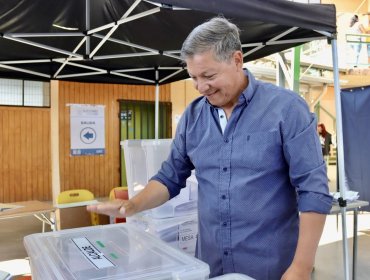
point(87, 130)
point(95, 257)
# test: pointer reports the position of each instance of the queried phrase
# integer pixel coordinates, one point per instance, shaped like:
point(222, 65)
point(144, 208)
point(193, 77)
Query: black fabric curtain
point(356, 139)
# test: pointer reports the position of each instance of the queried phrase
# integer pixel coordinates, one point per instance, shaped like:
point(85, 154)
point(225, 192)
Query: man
point(258, 162)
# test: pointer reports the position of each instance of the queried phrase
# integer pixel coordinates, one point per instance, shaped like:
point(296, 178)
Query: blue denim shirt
point(253, 179)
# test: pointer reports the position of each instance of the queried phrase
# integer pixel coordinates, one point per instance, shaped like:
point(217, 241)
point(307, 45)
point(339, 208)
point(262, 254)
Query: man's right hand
point(152, 195)
point(115, 208)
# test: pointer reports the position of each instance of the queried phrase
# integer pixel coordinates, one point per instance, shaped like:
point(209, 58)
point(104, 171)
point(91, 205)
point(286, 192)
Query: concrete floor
point(329, 258)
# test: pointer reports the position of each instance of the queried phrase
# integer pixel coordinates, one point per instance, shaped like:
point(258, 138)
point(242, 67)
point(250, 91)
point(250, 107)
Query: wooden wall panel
point(99, 174)
point(24, 154)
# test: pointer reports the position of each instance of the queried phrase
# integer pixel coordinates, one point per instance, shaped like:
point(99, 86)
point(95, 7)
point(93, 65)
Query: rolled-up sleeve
point(307, 168)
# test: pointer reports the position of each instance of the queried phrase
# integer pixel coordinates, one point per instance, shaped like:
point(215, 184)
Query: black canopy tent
point(107, 42)
point(138, 42)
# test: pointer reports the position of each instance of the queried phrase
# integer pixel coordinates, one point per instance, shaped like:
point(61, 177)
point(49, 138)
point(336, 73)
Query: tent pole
point(280, 78)
point(296, 68)
point(87, 26)
point(340, 155)
point(156, 111)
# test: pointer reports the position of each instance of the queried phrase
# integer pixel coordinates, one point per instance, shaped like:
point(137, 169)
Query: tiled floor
point(329, 258)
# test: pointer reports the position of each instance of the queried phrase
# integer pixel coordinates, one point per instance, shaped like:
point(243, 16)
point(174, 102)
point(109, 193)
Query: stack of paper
point(349, 195)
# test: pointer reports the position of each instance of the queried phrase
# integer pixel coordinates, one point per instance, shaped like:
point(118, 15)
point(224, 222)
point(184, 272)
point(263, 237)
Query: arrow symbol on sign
point(88, 135)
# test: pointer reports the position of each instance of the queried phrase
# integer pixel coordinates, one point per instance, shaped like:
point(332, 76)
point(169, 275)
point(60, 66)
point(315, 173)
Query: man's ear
point(238, 59)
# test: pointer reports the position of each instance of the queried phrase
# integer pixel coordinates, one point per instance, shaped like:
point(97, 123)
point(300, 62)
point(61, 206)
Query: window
point(24, 93)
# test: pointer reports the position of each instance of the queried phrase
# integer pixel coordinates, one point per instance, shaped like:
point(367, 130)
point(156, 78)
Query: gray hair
point(218, 35)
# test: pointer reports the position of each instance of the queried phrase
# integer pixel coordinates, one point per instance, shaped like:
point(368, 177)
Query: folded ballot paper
point(349, 195)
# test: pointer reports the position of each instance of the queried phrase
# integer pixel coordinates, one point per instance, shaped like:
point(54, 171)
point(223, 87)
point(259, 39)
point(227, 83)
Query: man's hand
point(294, 272)
point(153, 195)
point(116, 208)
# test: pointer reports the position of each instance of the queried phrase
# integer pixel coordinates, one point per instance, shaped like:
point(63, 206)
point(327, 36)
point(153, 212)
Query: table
point(26, 208)
point(352, 206)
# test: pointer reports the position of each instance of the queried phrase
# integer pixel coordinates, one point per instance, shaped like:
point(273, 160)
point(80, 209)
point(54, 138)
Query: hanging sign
point(87, 130)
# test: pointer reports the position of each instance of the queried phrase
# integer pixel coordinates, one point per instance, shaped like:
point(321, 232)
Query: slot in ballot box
point(117, 251)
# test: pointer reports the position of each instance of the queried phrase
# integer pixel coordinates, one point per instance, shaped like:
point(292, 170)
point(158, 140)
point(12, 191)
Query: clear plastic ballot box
point(233, 276)
point(143, 159)
point(179, 232)
point(117, 251)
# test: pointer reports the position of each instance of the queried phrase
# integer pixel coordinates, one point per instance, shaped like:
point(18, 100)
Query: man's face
point(218, 81)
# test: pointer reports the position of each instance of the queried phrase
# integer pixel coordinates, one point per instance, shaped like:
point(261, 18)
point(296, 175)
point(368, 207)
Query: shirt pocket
point(262, 151)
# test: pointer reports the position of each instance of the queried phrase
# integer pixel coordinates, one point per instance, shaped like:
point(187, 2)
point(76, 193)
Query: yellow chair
point(119, 193)
point(78, 195)
point(73, 196)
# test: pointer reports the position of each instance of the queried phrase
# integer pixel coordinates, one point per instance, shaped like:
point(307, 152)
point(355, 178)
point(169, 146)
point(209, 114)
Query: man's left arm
point(310, 229)
point(307, 171)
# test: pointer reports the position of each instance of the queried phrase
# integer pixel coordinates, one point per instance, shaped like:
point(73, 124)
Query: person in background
point(356, 27)
point(325, 140)
point(258, 161)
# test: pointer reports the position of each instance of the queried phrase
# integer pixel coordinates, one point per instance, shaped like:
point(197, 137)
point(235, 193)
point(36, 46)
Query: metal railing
point(358, 46)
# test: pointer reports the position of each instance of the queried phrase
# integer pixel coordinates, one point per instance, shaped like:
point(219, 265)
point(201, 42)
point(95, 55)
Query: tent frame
point(92, 55)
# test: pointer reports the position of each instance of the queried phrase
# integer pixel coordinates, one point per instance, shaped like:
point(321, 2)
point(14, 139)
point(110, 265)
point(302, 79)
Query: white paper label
point(188, 236)
point(96, 257)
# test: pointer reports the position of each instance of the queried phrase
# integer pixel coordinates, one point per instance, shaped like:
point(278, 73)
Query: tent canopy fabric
point(127, 41)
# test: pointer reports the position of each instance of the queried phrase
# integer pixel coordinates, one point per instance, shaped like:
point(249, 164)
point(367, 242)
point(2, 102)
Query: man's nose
point(202, 86)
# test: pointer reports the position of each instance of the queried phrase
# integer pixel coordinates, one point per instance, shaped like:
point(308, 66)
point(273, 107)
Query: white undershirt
point(222, 118)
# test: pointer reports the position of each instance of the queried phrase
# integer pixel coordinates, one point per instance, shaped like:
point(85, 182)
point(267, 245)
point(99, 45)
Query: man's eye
point(209, 77)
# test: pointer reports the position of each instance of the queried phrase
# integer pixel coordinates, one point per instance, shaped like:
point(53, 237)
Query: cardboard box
point(77, 216)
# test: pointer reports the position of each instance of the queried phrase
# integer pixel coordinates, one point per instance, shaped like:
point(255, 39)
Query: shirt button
point(222, 116)
point(226, 253)
point(224, 224)
point(224, 169)
point(223, 196)
point(226, 140)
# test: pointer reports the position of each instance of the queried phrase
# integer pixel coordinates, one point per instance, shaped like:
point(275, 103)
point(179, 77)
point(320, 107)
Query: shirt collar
point(249, 91)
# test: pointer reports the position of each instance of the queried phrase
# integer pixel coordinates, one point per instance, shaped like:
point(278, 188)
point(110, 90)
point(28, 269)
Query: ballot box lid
point(117, 251)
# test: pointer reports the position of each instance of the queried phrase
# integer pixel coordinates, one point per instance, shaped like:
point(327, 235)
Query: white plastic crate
point(108, 252)
point(143, 159)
